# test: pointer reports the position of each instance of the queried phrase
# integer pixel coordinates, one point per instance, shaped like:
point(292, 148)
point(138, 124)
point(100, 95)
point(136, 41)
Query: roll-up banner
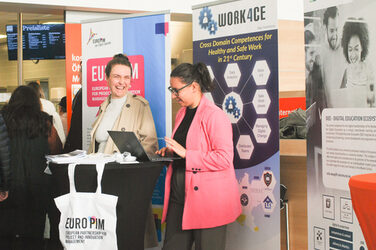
point(100, 41)
point(238, 42)
point(72, 63)
point(148, 52)
point(145, 40)
point(340, 94)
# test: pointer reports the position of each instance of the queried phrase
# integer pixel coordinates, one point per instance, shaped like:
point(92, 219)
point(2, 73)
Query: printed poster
point(238, 42)
point(341, 115)
point(72, 63)
point(149, 54)
point(98, 42)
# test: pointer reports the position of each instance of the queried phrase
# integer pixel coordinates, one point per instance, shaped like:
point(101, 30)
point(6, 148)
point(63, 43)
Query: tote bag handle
point(99, 168)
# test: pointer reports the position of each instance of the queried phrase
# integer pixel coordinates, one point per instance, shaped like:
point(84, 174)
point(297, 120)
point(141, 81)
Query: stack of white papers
point(70, 157)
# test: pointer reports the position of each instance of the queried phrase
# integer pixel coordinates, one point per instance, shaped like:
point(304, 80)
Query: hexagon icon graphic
point(210, 72)
point(232, 75)
point(269, 203)
point(245, 147)
point(261, 130)
point(261, 72)
point(209, 97)
point(268, 179)
point(233, 106)
point(261, 101)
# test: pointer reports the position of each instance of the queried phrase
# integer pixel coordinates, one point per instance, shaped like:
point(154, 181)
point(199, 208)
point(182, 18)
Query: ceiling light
point(57, 22)
point(3, 36)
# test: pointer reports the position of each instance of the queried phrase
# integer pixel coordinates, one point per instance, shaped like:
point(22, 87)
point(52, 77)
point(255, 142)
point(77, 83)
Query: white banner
point(99, 40)
point(340, 74)
point(312, 5)
point(234, 18)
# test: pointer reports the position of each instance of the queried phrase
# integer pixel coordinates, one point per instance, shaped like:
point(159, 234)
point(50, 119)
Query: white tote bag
point(88, 220)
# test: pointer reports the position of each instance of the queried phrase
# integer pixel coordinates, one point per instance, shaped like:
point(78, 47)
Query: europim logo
point(91, 36)
point(97, 41)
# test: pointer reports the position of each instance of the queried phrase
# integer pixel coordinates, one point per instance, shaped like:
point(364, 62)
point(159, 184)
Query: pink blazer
point(211, 190)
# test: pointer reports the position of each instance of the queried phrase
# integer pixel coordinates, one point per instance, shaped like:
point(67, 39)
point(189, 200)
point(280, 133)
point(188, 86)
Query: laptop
point(127, 141)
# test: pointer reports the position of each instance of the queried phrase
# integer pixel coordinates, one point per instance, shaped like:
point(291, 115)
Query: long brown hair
point(23, 114)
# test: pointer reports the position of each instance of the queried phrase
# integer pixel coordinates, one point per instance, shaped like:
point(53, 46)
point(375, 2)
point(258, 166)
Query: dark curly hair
point(331, 12)
point(194, 73)
point(355, 27)
point(118, 59)
point(23, 114)
point(309, 37)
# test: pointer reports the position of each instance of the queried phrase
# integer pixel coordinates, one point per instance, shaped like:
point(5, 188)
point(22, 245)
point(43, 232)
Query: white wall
point(138, 5)
point(287, 9)
point(53, 70)
point(290, 10)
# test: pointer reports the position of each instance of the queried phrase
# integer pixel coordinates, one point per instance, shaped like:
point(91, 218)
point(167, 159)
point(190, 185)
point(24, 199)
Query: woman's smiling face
point(119, 81)
point(354, 50)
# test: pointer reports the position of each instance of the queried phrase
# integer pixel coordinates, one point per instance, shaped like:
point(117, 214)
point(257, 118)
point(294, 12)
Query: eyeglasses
point(176, 91)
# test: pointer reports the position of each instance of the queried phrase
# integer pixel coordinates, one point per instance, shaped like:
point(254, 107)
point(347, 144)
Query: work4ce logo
point(206, 21)
point(234, 17)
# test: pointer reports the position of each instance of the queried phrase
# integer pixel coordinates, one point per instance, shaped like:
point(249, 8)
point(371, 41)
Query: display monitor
point(40, 41)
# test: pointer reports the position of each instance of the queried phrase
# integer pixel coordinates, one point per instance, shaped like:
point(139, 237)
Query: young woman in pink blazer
point(201, 195)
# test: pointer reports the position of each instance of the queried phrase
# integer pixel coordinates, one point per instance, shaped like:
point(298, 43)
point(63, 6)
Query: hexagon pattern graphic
point(232, 75)
point(245, 147)
point(261, 130)
point(261, 72)
point(233, 106)
point(261, 101)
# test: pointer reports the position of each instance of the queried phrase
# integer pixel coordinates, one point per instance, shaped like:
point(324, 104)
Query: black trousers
point(204, 239)
point(21, 243)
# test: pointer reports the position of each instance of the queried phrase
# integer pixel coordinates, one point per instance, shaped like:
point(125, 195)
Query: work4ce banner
point(88, 220)
point(238, 42)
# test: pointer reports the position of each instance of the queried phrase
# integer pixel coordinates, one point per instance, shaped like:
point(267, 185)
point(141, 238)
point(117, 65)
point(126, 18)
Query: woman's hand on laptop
point(164, 152)
point(174, 146)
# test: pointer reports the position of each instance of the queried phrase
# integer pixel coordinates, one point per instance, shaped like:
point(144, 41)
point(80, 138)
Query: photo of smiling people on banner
point(355, 44)
point(345, 45)
point(338, 43)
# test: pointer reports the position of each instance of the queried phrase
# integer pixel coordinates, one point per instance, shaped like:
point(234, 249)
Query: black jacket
point(23, 213)
point(74, 137)
point(4, 157)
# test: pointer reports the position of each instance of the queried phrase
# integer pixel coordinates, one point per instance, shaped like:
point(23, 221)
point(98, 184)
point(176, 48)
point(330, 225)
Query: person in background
point(63, 113)
point(315, 92)
point(50, 109)
point(74, 137)
point(4, 160)
point(355, 44)
point(32, 136)
point(315, 103)
point(332, 60)
point(125, 112)
point(201, 190)
point(358, 73)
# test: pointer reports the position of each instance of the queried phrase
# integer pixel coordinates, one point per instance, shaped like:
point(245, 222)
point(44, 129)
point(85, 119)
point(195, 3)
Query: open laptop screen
point(127, 141)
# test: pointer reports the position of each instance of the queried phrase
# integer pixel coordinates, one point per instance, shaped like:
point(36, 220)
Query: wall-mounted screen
point(40, 41)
